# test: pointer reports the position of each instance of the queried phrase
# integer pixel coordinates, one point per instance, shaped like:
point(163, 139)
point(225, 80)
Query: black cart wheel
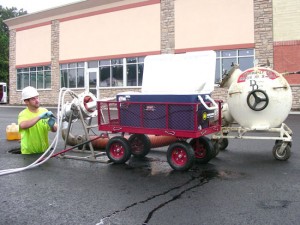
point(180, 156)
point(204, 149)
point(118, 150)
point(140, 145)
point(216, 145)
point(223, 142)
point(280, 141)
point(285, 155)
point(257, 100)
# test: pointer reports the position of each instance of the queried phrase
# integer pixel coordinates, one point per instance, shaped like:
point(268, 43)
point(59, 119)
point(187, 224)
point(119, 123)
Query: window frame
point(237, 56)
point(109, 63)
point(28, 76)
point(78, 68)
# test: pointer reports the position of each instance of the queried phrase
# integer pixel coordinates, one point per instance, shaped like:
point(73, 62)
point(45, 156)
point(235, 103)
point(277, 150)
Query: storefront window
point(72, 75)
point(134, 71)
point(38, 77)
point(112, 72)
point(226, 58)
point(123, 72)
point(105, 76)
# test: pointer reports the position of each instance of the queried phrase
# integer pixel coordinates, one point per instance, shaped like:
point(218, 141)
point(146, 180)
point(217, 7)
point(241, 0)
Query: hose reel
point(85, 102)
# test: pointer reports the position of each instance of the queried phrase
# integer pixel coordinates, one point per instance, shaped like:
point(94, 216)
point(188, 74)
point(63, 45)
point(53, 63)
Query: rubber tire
point(216, 145)
point(118, 144)
point(286, 153)
point(280, 141)
point(205, 146)
point(140, 145)
point(223, 142)
point(188, 156)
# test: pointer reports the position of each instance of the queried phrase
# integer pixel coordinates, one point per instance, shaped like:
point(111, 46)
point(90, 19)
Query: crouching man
point(34, 123)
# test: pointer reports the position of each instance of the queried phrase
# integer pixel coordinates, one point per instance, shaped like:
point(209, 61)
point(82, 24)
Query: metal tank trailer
point(259, 100)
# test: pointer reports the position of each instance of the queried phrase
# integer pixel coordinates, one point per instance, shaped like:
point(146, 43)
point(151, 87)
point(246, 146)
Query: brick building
point(100, 45)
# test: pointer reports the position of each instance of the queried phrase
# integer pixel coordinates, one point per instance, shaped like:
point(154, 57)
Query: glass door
point(93, 82)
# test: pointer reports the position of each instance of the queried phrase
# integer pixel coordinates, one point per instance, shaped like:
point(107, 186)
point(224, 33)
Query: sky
point(32, 6)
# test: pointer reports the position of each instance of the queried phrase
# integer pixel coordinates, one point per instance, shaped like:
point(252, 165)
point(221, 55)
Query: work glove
point(46, 115)
point(51, 122)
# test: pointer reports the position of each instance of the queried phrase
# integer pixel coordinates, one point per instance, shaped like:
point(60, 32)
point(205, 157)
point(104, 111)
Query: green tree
point(6, 13)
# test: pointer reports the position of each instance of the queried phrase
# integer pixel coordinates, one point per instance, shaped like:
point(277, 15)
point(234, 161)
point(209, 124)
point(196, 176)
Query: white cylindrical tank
point(227, 118)
point(260, 98)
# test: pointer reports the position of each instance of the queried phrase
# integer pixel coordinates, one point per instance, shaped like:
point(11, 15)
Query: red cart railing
point(181, 120)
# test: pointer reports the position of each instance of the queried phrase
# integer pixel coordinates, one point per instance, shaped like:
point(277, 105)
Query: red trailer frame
point(181, 120)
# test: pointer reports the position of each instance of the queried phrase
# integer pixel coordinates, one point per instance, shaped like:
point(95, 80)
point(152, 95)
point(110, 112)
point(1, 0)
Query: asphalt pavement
point(242, 185)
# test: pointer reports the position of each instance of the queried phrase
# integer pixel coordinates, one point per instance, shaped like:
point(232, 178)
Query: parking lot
point(242, 185)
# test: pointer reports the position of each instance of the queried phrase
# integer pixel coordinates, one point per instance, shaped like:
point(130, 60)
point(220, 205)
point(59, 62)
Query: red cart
point(188, 122)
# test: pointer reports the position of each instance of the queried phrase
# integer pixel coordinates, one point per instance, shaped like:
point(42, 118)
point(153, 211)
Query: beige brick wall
point(296, 97)
point(13, 95)
point(263, 31)
point(220, 94)
point(48, 97)
point(167, 26)
point(286, 20)
point(55, 71)
point(263, 20)
point(109, 93)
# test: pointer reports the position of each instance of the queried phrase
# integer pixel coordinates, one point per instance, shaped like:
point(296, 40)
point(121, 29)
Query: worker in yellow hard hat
point(34, 123)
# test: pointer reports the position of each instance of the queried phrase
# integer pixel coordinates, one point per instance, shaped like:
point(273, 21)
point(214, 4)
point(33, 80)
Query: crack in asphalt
point(203, 179)
point(202, 182)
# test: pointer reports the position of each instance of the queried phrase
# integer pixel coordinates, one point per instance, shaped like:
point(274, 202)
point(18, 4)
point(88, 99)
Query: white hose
point(41, 159)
